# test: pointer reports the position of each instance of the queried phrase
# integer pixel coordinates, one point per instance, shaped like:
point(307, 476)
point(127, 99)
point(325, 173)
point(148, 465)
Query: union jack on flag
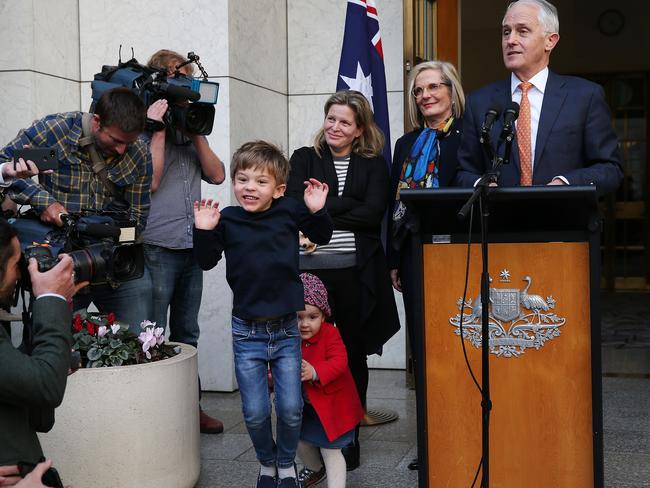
point(362, 62)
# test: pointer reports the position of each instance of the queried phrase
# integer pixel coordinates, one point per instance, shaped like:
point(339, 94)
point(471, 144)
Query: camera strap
point(98, 163)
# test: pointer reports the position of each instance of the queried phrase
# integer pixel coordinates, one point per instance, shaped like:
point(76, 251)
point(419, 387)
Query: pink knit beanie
point(315, 293)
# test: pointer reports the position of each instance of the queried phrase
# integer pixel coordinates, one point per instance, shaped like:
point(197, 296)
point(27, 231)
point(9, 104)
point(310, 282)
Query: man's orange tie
point(523, 137)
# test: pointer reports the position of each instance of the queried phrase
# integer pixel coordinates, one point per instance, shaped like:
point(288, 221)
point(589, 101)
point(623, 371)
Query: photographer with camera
point(103, 166)
point(180, 160)
point(31, 386)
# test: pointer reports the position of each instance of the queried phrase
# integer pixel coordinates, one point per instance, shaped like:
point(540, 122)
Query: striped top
point(342, 241)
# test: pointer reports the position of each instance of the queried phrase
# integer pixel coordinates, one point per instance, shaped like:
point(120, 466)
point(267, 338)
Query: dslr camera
point(191, 100)
point(101, 250)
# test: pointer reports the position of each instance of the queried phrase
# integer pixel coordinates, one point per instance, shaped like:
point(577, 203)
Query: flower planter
point(129, 426)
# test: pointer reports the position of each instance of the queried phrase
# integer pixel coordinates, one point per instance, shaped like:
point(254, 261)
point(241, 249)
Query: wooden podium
point(546, 419)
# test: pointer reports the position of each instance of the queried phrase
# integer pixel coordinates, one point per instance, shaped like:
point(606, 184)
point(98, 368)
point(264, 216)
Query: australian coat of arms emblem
point(518, 320)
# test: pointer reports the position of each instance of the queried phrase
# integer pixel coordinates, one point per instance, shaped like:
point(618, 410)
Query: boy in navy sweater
point(260, 241)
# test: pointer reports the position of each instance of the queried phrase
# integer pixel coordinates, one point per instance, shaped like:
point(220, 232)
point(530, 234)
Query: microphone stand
point(482, 192)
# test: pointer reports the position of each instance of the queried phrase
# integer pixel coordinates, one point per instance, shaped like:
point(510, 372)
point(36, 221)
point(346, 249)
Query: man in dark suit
point(564, 134)
point(30, 383)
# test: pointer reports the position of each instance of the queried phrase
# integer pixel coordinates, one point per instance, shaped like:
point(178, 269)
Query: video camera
point(191, 101)
point(101, 251)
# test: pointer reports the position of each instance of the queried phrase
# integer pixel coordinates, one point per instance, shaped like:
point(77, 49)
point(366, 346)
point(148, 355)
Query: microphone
point(510, 114)
point(490, 116)
point(99, 230)
point(178, 91)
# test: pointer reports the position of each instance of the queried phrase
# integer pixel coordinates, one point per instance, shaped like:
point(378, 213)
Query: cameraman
point(121, 182)
point(180, 161)
point(32, 384)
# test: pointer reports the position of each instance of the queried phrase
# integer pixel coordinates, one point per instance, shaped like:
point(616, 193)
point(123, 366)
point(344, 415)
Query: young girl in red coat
point(332, 407)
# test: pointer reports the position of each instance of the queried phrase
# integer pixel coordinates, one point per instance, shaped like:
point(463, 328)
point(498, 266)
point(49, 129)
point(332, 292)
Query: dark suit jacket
point(29, 383)
point(575, 138)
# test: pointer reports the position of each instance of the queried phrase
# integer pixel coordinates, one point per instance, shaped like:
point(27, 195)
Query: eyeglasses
point(418, 91)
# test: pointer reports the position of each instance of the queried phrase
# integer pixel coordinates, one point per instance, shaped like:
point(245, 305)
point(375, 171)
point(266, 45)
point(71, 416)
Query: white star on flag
point(361, 83)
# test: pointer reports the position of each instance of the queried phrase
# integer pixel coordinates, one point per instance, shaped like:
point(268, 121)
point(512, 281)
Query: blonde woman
point(347, 156)
point(423, 158)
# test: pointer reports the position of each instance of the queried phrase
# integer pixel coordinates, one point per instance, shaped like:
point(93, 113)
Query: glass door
point(626, 237)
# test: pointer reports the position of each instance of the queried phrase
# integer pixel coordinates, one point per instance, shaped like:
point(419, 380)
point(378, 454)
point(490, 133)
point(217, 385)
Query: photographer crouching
point(101, 166)
point(31, 386)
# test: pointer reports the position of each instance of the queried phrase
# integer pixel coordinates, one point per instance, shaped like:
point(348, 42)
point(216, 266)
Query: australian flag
point(362, 62)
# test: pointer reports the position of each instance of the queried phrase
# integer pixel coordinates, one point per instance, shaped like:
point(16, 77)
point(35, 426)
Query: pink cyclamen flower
point(115, 328)
point(101, 331)
point(148, 341)
point(147, 323)
point(159, 333)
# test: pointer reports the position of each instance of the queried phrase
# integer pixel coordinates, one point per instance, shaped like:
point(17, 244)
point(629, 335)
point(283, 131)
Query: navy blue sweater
point(262, 255)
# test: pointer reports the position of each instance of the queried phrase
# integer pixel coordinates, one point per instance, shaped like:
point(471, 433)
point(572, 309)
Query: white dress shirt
point(535, 97)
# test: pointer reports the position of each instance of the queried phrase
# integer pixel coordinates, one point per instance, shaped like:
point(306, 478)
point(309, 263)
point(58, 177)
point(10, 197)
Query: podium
point(545, 372)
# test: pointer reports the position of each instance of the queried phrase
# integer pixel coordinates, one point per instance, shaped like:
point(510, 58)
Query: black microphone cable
point(463, 300)
point(462, 309)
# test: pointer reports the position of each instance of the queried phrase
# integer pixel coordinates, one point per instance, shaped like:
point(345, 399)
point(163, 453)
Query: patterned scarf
point(420, 168)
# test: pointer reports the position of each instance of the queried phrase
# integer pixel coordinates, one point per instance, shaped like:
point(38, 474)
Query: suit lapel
point(554, 96)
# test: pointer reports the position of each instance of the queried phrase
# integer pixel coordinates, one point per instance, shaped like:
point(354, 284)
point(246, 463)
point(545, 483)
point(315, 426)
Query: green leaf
point(94, 354)
point(115, 343)
point(123, 354)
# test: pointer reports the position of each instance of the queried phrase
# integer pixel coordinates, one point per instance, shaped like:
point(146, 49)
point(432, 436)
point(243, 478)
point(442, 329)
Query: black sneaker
point(290, 482)
point(264, 481)
point(308, 477)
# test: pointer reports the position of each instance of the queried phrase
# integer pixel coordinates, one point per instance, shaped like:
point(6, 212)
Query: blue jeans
point(256, 345)
point(177, 285)
point(131, 301)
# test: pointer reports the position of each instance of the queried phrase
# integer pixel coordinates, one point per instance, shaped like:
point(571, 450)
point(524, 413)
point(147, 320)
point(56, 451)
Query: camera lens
point(197, 118)
point(89, 264)
point(127, 262)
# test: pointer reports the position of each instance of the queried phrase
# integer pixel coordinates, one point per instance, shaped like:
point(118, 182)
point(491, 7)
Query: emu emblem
point(517, 320)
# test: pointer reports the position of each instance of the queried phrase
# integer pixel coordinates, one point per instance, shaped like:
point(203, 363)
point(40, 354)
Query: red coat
point(334, 396)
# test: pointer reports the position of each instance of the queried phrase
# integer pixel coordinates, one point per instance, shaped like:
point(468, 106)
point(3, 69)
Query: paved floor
point(228, 459)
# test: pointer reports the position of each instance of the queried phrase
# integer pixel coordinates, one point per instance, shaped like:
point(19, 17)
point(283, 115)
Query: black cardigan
point(360, 209)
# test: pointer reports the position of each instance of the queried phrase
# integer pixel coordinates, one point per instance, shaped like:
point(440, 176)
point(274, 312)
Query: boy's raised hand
point(315, 194)
point(206, 214)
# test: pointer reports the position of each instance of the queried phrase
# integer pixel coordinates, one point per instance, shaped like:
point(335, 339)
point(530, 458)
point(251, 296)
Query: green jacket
point(31, 386)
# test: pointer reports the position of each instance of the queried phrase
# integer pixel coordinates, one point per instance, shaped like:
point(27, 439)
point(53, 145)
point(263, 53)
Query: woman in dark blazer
point(423, 158)
point(347, 156)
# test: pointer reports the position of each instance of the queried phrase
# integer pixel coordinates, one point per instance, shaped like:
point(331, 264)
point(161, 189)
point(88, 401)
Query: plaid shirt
point(73, 184)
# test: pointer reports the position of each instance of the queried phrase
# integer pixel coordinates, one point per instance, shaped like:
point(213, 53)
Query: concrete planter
point(129, 426)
